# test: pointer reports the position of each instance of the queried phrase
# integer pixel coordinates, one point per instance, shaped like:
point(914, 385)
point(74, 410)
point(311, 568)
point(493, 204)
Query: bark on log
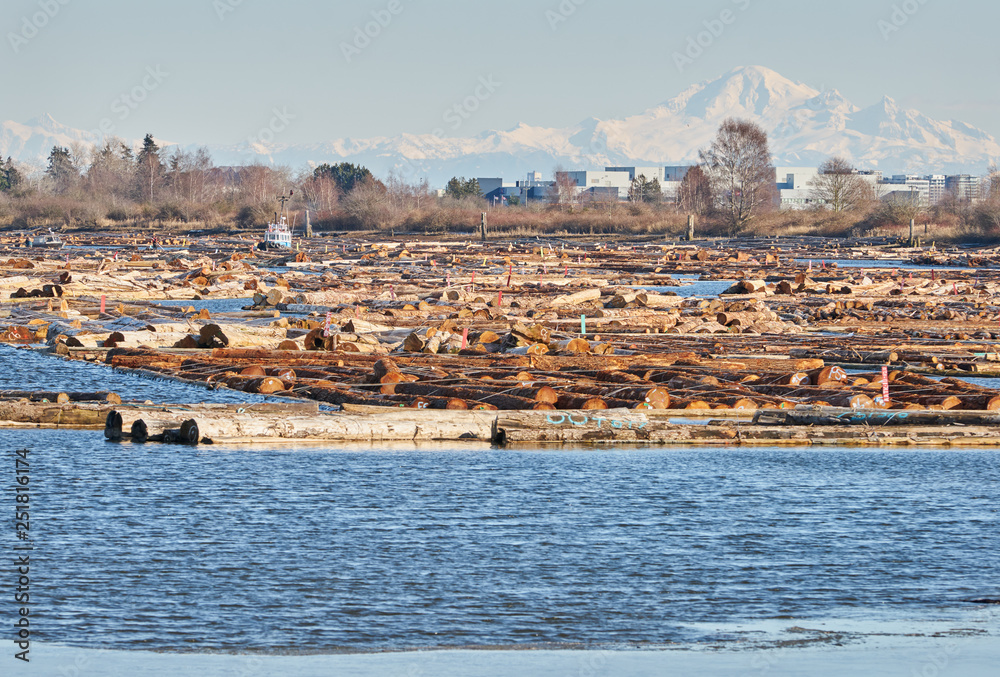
point(61, 397)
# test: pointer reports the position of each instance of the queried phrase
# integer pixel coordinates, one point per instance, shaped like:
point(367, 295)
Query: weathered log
point(832, 416)
point(847, 356)
point(577, 402)
point(394, 425)
point(577, 298)
point(60, 397)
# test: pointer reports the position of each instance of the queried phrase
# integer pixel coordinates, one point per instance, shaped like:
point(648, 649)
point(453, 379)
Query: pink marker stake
point(465, 338)
point(103, 301)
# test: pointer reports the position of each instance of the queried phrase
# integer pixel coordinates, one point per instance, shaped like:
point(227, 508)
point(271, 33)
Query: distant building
point(675, 172)
point(963, 186)
point(937, 187)
point(795, 187)
point(673, 176)
point(611, 183)
point(649, 172)
point(496, 190)
point(912, 183)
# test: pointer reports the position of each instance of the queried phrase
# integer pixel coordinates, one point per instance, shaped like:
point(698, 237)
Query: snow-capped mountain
point(805, 126)
point(31, 142)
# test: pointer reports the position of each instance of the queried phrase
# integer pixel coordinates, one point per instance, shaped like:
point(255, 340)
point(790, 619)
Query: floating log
point(394, 425)
point(833, 416)
point(60, 397)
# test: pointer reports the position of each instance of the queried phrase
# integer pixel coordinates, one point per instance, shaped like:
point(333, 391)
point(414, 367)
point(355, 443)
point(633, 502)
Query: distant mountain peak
point(44, 121)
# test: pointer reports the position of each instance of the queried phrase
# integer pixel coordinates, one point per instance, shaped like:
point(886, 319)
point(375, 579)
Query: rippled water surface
point(316, 549)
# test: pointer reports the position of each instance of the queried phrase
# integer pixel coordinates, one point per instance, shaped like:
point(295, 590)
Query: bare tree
point(695, 193)
point(321, 194)
point(839, 186)
point(739, 163)
point(987, 209)
point(565, 188)
point(111, 173)
point(368, 204)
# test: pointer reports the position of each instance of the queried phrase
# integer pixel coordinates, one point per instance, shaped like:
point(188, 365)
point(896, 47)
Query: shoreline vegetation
point(115, 189)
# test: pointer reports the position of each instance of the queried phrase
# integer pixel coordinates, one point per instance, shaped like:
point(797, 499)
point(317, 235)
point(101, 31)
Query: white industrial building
point(795, 186)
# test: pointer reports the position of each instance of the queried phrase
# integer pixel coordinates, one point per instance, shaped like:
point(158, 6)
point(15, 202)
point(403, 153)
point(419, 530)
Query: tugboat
point(50, 241)
point(278, 235)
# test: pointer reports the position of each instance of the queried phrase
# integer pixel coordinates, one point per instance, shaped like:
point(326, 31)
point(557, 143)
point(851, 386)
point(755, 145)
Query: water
point(212, 305)
point(30, 369)
point(697, 288)
point(325, 549)
point(331, 548)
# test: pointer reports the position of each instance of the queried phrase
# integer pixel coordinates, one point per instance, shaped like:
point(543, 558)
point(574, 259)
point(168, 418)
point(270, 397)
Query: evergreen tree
point(149, 169)
point(10, 178)
point(345, 175)
point(61, 170)
point(460, 187)
point(643, 190)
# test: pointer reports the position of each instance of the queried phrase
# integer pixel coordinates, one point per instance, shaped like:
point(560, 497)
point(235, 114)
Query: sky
point(221, 71)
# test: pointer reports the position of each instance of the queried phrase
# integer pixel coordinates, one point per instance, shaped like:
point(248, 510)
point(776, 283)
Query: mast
point(283, 199)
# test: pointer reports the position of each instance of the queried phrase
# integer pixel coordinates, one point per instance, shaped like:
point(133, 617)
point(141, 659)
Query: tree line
point(732, 189)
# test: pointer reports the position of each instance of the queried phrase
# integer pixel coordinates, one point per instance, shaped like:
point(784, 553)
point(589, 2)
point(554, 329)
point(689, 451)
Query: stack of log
point(472, 380)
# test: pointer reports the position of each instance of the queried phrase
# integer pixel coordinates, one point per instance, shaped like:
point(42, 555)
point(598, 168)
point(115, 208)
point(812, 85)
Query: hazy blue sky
point(223, 72)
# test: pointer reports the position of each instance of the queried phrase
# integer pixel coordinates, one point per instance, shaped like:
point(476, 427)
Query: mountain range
point(805, 126)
